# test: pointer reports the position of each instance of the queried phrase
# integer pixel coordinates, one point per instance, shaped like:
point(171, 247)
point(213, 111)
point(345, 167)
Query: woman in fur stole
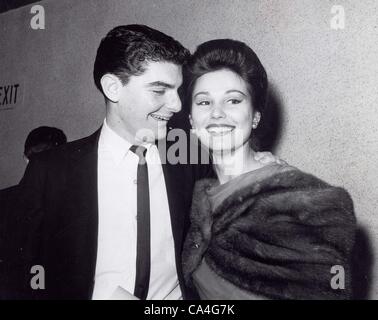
point(257, 231)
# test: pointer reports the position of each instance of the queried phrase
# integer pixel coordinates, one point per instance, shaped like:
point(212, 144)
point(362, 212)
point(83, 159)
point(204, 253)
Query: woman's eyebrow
point(238, 91)
point(201, 92)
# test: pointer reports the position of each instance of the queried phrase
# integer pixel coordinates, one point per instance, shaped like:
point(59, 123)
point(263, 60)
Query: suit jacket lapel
point(173, 178)
point(175, 204)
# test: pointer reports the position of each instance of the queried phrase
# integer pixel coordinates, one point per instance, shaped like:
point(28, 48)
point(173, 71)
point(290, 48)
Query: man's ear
point(111, 86)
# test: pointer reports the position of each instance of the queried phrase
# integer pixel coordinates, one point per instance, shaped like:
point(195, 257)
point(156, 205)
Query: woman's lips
point(219, 129)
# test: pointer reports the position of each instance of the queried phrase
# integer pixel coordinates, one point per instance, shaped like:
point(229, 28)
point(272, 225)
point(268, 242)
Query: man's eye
point(203, 103)
point(159, 92)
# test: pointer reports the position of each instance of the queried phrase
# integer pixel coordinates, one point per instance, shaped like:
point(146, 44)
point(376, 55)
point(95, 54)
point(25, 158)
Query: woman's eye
point(234, 101)
point(203, 103)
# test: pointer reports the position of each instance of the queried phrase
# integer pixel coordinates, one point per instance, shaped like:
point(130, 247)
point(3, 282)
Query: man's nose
point(174, 103)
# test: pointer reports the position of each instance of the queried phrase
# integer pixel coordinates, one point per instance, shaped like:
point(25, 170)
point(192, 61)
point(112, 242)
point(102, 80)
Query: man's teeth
point(158, 117)
point(220, 129)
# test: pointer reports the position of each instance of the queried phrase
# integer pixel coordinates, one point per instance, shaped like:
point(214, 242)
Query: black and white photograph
point(191, 150)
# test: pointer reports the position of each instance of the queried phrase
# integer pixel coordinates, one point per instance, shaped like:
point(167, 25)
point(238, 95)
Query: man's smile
point(160, 117)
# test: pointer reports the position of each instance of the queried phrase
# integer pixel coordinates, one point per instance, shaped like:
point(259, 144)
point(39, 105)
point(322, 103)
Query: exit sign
point(10, 96)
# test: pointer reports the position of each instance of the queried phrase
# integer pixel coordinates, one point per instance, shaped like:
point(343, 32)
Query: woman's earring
point(256, 120)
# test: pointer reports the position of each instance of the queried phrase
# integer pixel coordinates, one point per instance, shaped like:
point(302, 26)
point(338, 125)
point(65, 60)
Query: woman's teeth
point(220, 130)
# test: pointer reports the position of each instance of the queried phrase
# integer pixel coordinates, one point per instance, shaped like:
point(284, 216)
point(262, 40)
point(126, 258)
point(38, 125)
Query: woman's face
point(221, 110)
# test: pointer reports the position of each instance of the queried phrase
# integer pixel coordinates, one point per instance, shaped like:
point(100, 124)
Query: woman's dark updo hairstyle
point(228, 54)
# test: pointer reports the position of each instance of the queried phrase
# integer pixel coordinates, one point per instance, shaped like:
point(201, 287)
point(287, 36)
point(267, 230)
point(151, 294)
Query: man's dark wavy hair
point(125, 50)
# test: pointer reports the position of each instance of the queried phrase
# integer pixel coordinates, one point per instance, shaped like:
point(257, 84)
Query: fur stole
point(275, 231)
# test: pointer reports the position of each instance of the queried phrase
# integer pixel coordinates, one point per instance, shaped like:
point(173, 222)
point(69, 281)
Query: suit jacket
point(8, 197)
point(57, 218)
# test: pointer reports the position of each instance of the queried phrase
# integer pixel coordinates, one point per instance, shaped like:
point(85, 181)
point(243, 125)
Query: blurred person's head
point(41, 139)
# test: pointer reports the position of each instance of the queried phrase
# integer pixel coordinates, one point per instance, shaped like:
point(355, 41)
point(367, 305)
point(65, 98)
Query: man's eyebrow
point(160, 84)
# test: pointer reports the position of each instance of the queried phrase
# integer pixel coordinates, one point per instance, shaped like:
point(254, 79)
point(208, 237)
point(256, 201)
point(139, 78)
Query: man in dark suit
point(38, 140)
point(93, 208)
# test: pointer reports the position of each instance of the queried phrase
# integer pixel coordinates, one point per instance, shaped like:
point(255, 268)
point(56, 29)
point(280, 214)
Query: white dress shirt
point(117, 229)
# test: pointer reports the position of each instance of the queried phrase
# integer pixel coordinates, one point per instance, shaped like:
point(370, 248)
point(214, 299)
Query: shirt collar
point(115, 144)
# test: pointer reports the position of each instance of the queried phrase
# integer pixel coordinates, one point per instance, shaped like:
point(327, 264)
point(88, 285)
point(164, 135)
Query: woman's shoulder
point(276, 185)
point(286, 215)
point(280, 190)
point(283, 176)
